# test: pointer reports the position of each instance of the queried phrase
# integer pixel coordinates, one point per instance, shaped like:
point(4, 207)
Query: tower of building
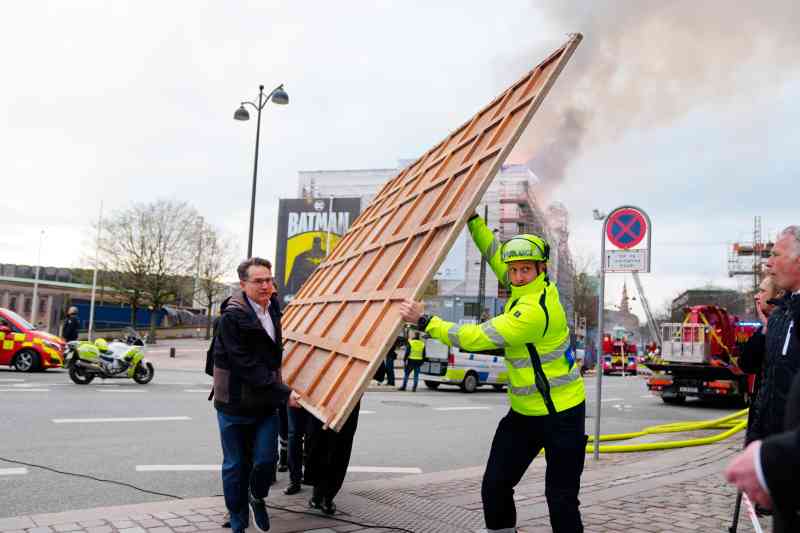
point(624, 305)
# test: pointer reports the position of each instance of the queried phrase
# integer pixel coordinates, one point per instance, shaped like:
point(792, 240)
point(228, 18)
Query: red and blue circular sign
point(626, 228)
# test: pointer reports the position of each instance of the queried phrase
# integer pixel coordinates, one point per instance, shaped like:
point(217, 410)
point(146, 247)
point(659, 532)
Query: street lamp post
point(278, 96)
point(601, 217)
point(35, 300)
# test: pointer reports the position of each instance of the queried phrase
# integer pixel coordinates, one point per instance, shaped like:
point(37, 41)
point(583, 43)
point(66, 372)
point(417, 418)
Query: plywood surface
point(345, 317)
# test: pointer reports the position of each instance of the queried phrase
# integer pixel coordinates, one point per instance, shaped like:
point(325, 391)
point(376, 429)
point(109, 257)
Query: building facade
point(512, 208)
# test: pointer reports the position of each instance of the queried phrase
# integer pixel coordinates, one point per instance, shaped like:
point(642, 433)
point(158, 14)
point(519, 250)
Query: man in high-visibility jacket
point(545, 388)
point(415, 355)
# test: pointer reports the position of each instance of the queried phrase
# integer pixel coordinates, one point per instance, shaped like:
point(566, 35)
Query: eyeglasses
point(262, 281)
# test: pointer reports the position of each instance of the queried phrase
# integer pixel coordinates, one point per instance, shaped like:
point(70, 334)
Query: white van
point(451, 366)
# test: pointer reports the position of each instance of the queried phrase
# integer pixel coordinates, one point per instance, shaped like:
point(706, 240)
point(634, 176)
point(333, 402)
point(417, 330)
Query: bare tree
point(585, 286)
point(146, 249)
point(170, 230)
point(215, 260)
point(125, 257)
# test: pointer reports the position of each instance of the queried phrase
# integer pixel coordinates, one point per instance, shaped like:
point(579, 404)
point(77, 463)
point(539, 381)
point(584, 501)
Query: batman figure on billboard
point(308, 230)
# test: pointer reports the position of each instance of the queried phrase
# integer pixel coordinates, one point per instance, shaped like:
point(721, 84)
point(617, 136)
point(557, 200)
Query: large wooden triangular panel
point(345, 317)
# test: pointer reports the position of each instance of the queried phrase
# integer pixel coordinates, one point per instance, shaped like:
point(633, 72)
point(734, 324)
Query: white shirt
point(263, 316)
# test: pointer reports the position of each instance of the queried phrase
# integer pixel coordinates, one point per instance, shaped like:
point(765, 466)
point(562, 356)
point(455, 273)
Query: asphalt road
point(146, 433)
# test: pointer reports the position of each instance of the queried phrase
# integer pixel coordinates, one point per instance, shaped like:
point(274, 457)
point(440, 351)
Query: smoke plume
point(647, 63)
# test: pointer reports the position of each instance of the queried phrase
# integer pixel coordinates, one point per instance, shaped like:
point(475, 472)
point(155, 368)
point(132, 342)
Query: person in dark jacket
point(752, 353)
point(71, 325)
point(248, 392)
point(400, 348)
point(781, 355)
point(768, 468)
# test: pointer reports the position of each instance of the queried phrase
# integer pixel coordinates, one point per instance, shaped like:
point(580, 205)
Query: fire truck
point(619, 355)
point(699, 357)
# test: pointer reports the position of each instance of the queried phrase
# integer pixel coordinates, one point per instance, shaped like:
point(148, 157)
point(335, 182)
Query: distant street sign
point(627, 260)
point(626, 228)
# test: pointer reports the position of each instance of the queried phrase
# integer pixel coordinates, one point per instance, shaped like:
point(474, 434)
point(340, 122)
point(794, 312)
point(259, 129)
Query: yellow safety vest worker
point(417, 348)
point(532, 332)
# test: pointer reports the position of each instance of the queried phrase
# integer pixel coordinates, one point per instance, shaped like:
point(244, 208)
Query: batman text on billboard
point(307, 231)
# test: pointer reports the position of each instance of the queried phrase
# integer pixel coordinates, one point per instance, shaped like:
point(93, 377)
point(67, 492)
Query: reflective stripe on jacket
point(416, 350)
point(533, 333)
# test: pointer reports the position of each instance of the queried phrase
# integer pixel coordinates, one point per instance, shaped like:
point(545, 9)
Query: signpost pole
point(599, 363)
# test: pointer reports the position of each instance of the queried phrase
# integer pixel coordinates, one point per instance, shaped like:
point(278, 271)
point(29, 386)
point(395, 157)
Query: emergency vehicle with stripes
point(451, 366)
point(25, 348)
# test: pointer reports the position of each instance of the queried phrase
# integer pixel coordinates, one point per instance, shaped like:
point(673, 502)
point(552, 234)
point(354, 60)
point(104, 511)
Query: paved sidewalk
point(667, 491)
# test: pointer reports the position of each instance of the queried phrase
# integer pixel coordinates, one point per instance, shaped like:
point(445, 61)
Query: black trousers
point(299, 420)
point(389, 364)
point(517, 441)
point(329, 455)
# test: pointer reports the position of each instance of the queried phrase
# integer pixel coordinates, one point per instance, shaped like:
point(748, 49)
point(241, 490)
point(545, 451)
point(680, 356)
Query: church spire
point(624, 306)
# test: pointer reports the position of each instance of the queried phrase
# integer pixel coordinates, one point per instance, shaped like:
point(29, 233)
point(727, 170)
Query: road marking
point(178, 468)
point(648, 396)
point(131, 419)
point(177, 350)
point(6, 380)
point(463, 408)
point(24, 390)
point(196, 390)
point(384, 470)
point(13, 471)
point(121, 390)
point(365, 412)
point(612, 399)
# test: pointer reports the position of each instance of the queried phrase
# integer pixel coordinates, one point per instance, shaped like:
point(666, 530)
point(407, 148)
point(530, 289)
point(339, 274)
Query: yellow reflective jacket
point(416, 350)
point(532, 332)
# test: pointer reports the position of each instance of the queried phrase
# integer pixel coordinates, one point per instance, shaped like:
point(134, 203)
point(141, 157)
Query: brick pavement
point(668, 491)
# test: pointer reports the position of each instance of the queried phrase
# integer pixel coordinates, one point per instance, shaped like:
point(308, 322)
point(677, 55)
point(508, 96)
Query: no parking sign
point(627, 230)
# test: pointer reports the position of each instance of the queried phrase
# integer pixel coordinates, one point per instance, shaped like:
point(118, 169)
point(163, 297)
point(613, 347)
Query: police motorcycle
point(121, 358)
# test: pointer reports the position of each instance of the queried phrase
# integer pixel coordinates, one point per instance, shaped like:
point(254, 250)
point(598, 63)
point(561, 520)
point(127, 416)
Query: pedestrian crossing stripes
point(13, 471)
point(384, 470)
point(178, 468)
point(130, 419)
point(464, 408)
point(217, 468)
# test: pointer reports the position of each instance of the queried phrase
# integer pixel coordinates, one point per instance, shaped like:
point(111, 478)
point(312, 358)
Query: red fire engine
point(699, 357)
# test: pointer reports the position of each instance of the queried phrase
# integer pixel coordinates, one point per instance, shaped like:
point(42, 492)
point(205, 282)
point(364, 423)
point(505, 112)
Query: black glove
point(422, 323)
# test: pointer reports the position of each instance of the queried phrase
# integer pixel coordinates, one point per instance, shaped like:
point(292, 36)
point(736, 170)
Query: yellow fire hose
point(732, 423)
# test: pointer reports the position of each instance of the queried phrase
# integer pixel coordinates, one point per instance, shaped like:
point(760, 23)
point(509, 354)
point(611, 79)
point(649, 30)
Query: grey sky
point(689, 114)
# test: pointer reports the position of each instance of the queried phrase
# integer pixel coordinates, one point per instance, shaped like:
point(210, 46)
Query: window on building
point(27, 305)
point(12, 303)
point(472, 309)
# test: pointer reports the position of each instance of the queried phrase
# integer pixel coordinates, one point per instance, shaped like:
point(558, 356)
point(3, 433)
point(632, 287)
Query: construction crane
point(651, 323)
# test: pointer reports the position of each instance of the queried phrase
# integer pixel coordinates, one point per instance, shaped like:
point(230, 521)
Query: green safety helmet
point(101, 344)
point(525, 247)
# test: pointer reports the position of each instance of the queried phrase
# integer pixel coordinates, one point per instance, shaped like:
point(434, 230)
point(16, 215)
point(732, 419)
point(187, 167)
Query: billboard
point(307, 230)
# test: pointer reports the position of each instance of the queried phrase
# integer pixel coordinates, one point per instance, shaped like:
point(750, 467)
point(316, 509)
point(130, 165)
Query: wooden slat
point(395, 246)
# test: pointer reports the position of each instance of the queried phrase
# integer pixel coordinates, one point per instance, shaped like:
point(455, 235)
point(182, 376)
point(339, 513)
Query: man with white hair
point(761, 470)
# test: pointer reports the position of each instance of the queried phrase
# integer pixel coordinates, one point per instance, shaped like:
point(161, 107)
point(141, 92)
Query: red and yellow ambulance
point(24, 347)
